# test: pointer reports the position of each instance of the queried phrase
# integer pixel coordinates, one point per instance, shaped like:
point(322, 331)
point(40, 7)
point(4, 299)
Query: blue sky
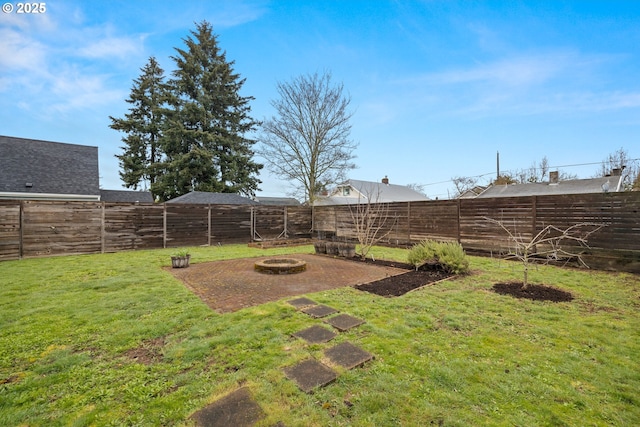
point(437, 87)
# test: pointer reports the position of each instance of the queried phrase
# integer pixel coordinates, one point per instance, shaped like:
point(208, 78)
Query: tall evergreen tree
point(204, 136)
point(143, 128)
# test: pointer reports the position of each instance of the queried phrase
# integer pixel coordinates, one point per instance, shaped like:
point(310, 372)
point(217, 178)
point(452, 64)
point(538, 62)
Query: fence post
point(102, 233)
point(164, 225)
point(252, 231)
point(209, 226)
point(21, 237)
point(458, 231)
point(534, 215)
point(286, 214)
point(409, 223)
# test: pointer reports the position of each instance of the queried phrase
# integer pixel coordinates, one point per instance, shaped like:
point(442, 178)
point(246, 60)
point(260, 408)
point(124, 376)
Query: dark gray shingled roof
point(48, 167)
point(126, 196)
point(279, 201)
point(205, 198)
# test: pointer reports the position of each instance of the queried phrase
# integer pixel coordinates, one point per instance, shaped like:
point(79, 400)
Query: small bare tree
point(546, 245)
point(463, 184)
point(370, 218)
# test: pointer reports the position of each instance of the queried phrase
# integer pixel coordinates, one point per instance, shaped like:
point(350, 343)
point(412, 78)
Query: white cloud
point(52, 68)
point(20, 53)
point(74, 90)
point(29, 23)
point(509, 72)
point(553, 82)
point(233, 13)
point(112, 47)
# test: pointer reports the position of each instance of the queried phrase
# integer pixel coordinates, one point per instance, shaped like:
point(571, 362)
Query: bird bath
point(280, 266)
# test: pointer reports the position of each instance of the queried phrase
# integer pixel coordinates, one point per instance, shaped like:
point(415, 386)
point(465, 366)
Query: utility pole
point(497, 165)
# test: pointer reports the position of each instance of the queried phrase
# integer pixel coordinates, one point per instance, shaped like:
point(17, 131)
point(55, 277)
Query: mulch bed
point(532, 292)
point(400, 284)
point(403, 283)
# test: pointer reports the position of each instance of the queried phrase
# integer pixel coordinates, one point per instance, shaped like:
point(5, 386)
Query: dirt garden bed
point(533, 292)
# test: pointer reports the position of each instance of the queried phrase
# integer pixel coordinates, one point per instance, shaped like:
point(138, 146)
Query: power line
point(511, 171)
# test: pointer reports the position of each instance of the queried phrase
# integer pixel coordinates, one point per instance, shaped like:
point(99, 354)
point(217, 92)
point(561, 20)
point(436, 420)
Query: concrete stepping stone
point(310, 374)
point(235, 409)
point(344, 322)
point(319, 310)
point(315, 334)
point(348, 355)
point(299, 303)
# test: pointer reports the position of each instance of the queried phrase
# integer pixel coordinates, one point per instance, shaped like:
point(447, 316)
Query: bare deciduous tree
point(370, 221)
point(546, 245)
point(628, 167)
point(463, 184)
point(307, 143)
point(420, 188)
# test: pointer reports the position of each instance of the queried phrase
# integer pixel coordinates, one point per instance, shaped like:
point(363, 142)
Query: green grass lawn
point(453, 354)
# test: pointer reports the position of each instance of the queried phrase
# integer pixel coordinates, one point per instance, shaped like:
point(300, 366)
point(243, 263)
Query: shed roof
point(206, 198)
point(126, 196)
point(280, 201)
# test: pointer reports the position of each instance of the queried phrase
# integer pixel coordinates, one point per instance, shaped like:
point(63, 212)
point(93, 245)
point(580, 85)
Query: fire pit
point(280, 266)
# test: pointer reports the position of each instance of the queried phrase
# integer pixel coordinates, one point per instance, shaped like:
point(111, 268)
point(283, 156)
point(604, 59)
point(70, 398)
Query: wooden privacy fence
point(39, 228)
point(46, 228)
point(616, 246)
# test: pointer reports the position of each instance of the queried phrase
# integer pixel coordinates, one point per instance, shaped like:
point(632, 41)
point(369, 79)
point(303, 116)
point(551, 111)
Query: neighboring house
point(472, 192)
point(44, 170)
point(32, 169)
point(605, 184)
point(278, 201)
point(206, 198)
point(355, 192)
point(126, 196)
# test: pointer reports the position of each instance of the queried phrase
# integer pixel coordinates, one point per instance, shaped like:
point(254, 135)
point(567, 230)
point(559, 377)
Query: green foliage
point(180, 253)
point(205, 124)
point(189, 134)
point(143, 128)
point(452, 354)
point(450, 255)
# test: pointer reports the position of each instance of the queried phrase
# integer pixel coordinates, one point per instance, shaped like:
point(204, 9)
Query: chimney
point(553, 177)
point(385, 180)
point(616, 172)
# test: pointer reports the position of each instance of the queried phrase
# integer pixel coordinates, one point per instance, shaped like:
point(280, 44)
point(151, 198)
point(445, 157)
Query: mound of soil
point(402, 283)
point(532, 292)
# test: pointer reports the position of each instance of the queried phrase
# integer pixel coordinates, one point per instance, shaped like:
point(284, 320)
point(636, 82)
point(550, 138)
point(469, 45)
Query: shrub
point(448, 255)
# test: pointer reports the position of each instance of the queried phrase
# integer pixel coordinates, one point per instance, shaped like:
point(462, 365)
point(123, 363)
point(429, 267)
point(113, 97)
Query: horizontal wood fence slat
point(61, 228)
point(10, 230)
point(46, 228)
point(616, 246)
point(128, 226)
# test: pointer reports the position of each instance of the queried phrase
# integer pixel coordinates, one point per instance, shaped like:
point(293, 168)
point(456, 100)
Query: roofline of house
point(48, 141)
point(50, 196)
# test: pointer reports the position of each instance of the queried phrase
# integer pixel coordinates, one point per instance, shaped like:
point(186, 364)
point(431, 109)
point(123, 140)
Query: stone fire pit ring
point(280, 266)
